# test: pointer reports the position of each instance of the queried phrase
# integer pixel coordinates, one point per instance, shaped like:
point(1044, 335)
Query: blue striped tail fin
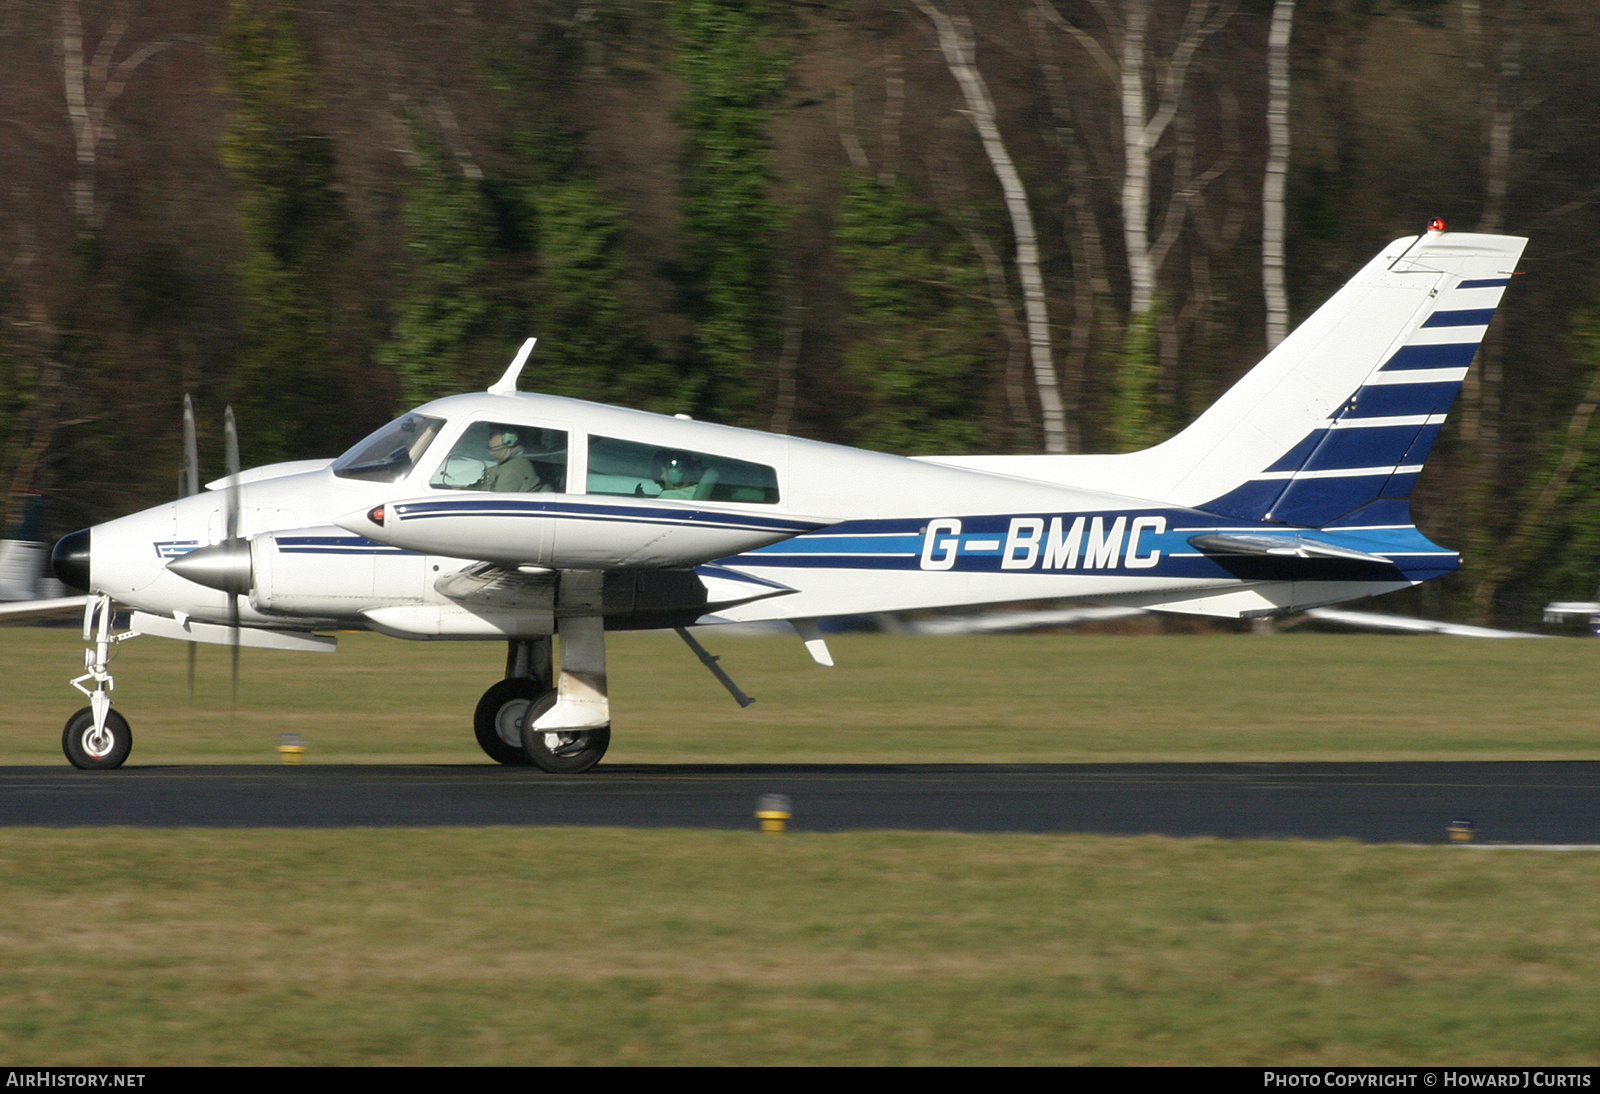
point(1359, 465)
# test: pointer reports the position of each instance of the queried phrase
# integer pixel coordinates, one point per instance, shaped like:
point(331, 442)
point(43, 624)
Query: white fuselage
point(833, 530)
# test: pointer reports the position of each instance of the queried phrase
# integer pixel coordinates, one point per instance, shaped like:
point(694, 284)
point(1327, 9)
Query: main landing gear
point(506, 721)
point(561, 725)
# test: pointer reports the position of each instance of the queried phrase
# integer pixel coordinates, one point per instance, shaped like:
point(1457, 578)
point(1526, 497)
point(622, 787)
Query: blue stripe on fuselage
point(489, 506)
point(984, 542)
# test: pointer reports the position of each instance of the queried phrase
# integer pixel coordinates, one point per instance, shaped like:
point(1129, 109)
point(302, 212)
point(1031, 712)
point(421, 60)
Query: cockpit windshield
point(389, 454)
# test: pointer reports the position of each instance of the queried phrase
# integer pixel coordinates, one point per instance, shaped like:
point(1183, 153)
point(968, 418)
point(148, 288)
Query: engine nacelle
point(329, 572)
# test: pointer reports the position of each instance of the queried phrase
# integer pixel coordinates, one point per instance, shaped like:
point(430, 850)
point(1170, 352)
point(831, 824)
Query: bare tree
point(1277, 171)
point(1499, 106)
point(1124, 57)
point(1124, 52)
point(959, 47)
point(91, 91)
point(1091, 283)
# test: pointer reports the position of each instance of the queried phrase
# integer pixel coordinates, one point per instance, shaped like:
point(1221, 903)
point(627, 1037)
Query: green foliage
point(593, 350)
point(921, 334)
point(734, 76)
point(289, 377)
point(535, 248)
point(1134, 424)
point(438, 345)
point(1561, 558)
point(470, 297)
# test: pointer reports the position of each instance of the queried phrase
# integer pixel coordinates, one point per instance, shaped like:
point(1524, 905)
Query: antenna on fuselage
point(507, 384)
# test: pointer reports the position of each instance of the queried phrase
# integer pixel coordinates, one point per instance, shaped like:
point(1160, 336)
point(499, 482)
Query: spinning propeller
point(224, 566)
point(230, 447)
point(188, 486)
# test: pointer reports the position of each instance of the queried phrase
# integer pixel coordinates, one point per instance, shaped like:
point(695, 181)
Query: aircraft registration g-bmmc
point(519, 517)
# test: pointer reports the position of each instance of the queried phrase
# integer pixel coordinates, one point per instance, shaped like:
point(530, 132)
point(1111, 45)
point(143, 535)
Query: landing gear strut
point(560, 723)
point(97, 738)
point(575, 732)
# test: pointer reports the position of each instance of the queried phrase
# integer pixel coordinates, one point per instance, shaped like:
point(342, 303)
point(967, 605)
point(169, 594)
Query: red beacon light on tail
point(1436, 224)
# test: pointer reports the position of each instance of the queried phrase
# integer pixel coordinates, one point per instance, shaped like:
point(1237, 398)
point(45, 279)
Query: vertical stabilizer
point(1333, 426)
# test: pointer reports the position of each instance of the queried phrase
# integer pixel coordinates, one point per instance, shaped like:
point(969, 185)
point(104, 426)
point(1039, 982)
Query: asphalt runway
point(1544, 803)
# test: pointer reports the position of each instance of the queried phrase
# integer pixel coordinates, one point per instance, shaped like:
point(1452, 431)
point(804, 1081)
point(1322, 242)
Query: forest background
point(915, 225)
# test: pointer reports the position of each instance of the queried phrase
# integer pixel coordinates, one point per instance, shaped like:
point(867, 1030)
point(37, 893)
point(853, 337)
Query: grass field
point(891, 699)
point(508, 945)
point(597, 946)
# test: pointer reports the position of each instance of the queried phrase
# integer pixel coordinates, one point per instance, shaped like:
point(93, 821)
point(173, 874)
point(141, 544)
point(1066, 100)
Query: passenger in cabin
point(678, 474)
point(512, 472)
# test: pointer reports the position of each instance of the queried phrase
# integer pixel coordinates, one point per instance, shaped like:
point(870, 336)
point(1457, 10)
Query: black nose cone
point(70, 560)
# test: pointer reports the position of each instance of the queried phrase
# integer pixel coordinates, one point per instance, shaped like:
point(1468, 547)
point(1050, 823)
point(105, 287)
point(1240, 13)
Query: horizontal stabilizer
point(1377, 621)
point(1268, 544)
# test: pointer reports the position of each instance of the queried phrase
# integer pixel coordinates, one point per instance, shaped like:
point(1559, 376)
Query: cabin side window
point(506, 458)
point(630, 469)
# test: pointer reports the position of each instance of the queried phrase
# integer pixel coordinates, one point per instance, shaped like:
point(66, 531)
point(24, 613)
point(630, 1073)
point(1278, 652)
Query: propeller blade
point(230, 440)
point(233, 649)
point(189, 485)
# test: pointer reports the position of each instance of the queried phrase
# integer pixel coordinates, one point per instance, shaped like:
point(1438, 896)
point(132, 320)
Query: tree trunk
point(960, 55)
point(1136, 162)
point(787, 396)
point(1124, 62)
point(1272, 190)
point(91, 90)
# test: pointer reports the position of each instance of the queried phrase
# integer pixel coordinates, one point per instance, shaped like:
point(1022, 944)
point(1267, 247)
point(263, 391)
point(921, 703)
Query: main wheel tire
point(91, 752)
point(566, 752)
point(501, 713)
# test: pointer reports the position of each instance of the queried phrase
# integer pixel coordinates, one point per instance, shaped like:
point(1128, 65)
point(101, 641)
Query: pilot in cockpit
point(512, 471)
point(510, 459)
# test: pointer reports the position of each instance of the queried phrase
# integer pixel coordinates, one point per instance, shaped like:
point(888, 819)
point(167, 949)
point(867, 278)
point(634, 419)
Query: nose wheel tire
point(501, 713)
point(93, 751)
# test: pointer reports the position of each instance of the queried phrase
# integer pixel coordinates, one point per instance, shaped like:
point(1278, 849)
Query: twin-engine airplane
point(519, 517)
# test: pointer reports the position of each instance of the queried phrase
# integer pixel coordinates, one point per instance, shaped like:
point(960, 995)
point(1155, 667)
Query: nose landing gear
point(96, 748)
point(97, 738)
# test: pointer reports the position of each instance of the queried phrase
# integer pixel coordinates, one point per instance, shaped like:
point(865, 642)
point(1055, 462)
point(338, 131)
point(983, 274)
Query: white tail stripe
point(1417, 376)
point(1446, 336)
point(1379, 423)
point(1341, 472)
